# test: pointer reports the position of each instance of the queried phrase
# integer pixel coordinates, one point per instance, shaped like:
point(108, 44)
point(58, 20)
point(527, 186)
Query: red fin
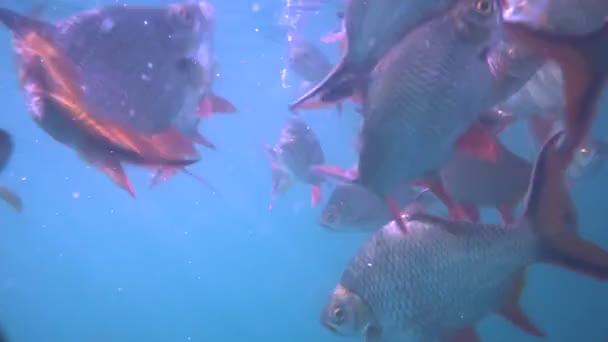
point(468, 334)
point(201, 140)
point(174, 143)
point(334, 37)
point(479, 142)
point(553, 217)
point(396, 213)
point(162, 175)
point(583, 63)
point(335, 172)
point(316, 195)
point(512, 310)
point(11, 198)
point(210, 103)
point(222, 105)
point(506, 213)
point(114, 170)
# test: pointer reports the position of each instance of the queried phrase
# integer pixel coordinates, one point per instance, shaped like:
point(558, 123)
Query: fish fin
point(479, 142)
point(582, 59)
point(113, 169)
point(396, 213)
point(540, 128)
point(552, 215)
point(468, 334)
point(11, 198)
point(512, 310)
point(161, 175)
point(334, 37)
point(316, 195)
point(172, 142)
point(373, 334)
point(18, 23)
point(281, 182)
point(335, 172)
point(211, 103)
point(506, 213)
point(449, 225)
point(200, 180)
point(337, 86)
point(199, 139)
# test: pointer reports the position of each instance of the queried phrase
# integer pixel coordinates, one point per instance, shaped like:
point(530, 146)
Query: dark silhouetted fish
point(60, 106)
point(293, 157)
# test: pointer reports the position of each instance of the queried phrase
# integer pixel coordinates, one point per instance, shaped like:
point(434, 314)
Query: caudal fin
point(552, 214)
point(582, 60)
point(337, 86)
point(6, 148)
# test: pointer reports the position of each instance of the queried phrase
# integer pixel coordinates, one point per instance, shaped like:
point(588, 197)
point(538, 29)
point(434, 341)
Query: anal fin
point(512, 311)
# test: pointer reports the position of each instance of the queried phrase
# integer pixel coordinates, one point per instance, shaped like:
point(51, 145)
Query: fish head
point(6, 148)
point(353, 208)
point(478, 18)
point(188, 24)
point(346, 314)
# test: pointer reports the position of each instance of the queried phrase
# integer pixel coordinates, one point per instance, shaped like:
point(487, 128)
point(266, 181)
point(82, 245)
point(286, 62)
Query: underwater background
point(85, 262)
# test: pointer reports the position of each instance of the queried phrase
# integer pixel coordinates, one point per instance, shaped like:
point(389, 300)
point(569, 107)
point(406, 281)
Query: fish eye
point(338, 315)
point(484, 7)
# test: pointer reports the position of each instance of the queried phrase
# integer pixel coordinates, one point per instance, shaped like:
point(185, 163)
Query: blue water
point(85, 262)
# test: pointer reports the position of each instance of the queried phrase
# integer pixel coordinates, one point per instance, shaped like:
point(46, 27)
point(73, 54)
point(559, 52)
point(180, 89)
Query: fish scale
point(423, 282)
point(423, 95)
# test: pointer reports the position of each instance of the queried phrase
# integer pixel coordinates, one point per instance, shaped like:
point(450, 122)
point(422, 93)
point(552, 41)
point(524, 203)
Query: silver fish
point(372, 28)
point(351, 209)
point(430, 88)
point(440, 277)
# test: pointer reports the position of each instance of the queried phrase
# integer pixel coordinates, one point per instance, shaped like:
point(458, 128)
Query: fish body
point(307, 60)
point(371, 28)
point(131, 59)
point(425, 93)
point(294, 155)
point(439, 277)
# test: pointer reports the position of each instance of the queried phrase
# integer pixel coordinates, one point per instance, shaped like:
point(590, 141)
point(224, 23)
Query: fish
point(59, 106)
point(472, 182)
point(307, 60)
point(437, 279)
point(354, 209)
point(582, 61)
point(292, 159)
point(423, 97)
point(371, 29)
point(559, 16)
point(143, 91)
point(6, 150)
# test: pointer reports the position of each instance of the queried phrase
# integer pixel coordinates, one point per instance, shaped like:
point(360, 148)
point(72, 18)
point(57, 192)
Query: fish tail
point(582, 59)
point(552, 215)
point(341, 83)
